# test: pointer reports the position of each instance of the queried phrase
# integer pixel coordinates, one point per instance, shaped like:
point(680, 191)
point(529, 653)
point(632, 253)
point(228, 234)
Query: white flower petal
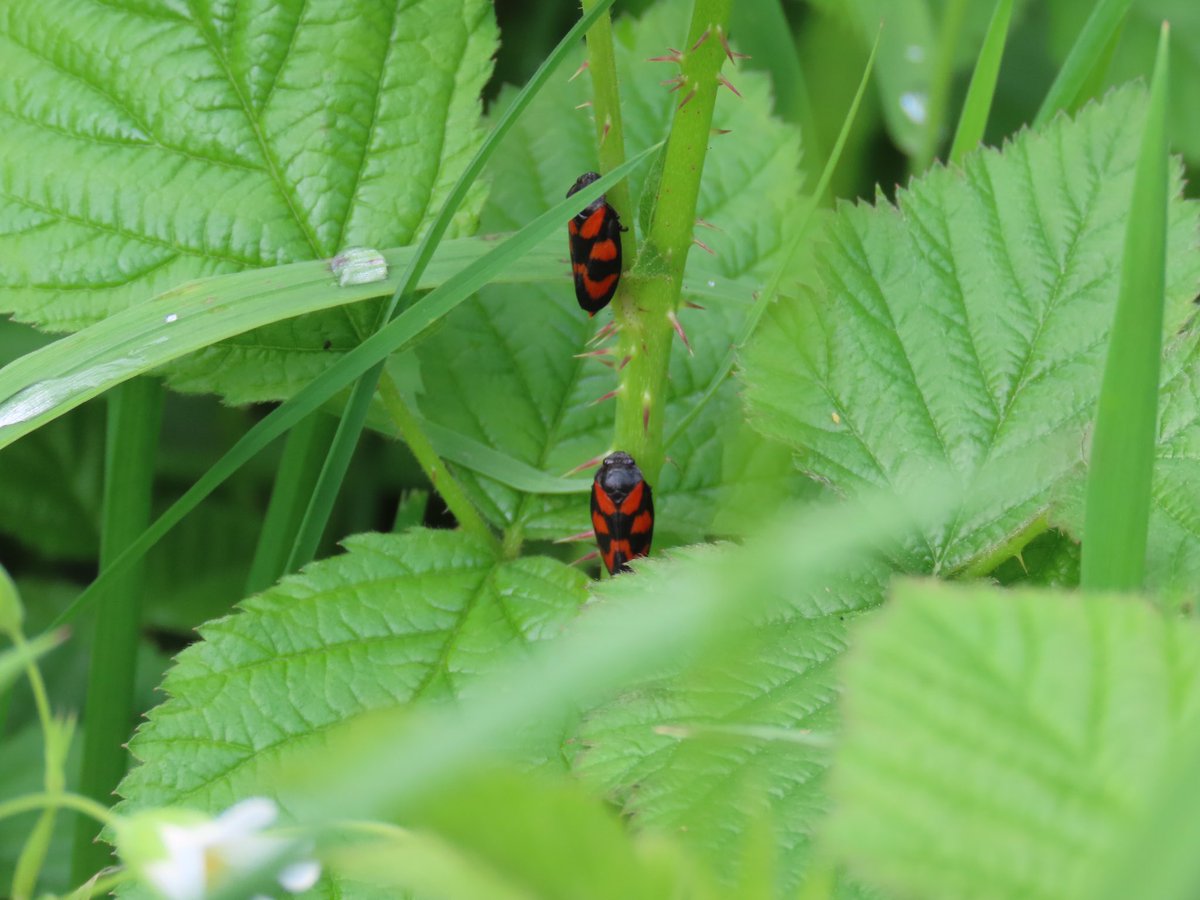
point(251, 851)
point(250, 815)
point(300, 876)
point(181, 874)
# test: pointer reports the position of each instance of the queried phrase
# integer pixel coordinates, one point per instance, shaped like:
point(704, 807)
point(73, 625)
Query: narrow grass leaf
point(978, 103)
point(1123, 446)
point(299, 467)
point(1085, 55)
point(54, 379)
point(399, 333)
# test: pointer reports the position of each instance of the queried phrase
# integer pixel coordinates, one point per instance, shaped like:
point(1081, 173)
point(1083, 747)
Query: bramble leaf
point(246, 135)
point(396, 620)
point(965, 329)
point(1006, 744)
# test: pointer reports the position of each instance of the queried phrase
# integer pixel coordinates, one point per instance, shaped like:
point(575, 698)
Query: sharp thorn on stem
point(584, 105)
point(719, 131)
point(582, 68)
point(678, 326)
point(674, 56)
point(687, 99)
point(703, 246)
point(590, 464)
point(603, 351)
point(604, 397)
point(699, 41)
point(692, 304)
point(579, 536)
point(645, 419)
point(624, 362)
point(703, 223)
point(725, 81)
point(603, 333)
point(587, 557)
point(681, 82)
point(733, 57)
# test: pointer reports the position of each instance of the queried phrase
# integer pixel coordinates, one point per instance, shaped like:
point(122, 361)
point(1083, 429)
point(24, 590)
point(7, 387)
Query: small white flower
point(183, 855)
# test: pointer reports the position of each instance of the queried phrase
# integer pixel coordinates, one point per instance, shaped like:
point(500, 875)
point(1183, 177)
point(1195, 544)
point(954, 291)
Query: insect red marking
point(609, 558)
point(572, 228)
point(597, 289)
point(604, 502)
point(580, 269)
point(631, 503)
point(604, 250)
point(642, 523)
point(593, 223)
point(599, 523)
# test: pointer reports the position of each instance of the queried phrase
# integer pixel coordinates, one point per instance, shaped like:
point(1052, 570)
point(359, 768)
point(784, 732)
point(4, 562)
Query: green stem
point(768, 294)
point(33, 855)
point(435, 469)
point(606, 104)
point(19, 805)
point(134, 414)
point(295, 480)
point(646, 311)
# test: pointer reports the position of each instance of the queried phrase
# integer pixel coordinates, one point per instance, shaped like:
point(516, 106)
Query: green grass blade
point(134, 414)
point(48, 382)
point(337, 461)
point(949, 36)
point(483, 459)
point(399, 333)
point(761, 29)
point(54, 379)
point(772, 289)
point(1122, 460)
point(410, 511)
point(354, 418)
point(303, 453)
point(1089, 49)
point(978, 104)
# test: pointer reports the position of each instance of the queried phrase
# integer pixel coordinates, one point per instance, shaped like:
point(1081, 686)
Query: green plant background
point(737, 717)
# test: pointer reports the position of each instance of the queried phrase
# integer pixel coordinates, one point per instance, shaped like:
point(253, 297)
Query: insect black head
point(618, 473)
point(580, 183)
point(583, 181)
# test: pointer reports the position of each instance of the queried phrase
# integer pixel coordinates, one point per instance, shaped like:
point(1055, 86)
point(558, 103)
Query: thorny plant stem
point(646, 310)
point(606, 104)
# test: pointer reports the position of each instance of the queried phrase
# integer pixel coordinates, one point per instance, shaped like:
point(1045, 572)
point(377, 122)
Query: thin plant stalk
point(134, 415)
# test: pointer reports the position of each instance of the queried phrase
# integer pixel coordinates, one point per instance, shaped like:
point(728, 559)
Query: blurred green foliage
point(763, 708)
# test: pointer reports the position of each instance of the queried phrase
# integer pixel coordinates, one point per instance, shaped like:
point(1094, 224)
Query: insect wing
point(623, 529)
point(595, 237)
